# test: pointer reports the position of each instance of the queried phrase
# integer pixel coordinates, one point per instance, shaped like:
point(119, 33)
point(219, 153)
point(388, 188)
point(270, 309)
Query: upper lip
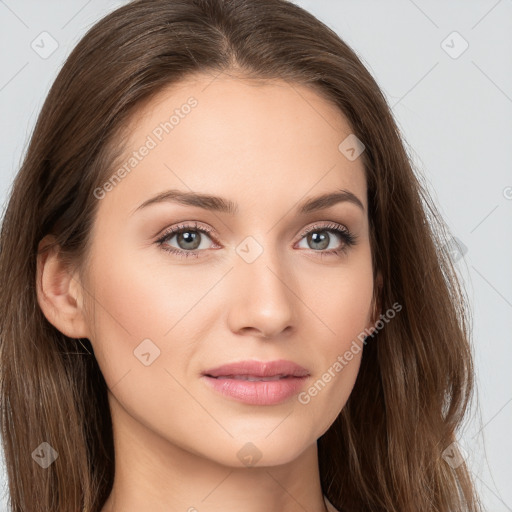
point(253, 368)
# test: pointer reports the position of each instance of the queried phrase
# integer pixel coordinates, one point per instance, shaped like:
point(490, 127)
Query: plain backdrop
point(446, 70)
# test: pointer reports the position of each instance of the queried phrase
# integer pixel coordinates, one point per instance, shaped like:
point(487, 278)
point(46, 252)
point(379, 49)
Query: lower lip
point(261, 392)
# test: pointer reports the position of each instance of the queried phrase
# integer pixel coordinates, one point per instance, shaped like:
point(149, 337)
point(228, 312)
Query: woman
point(221, 287)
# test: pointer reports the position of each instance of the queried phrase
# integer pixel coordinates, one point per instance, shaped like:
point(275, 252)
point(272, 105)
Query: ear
point(59, 293)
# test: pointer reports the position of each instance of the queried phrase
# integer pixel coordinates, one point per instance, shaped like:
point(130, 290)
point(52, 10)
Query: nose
point(263, 297)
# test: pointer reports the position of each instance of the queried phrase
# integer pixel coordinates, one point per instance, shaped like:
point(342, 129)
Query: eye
point(320, 236)
point(189, 239)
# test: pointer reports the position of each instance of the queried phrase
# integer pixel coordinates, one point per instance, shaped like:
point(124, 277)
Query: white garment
point(329, 505)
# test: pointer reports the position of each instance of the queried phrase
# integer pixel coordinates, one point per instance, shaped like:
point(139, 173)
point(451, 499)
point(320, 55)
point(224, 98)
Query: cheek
point(327, 393)
point(344, 312)
point(141, 335)
point(131, 304)
point(341, 301)
point(143, 304)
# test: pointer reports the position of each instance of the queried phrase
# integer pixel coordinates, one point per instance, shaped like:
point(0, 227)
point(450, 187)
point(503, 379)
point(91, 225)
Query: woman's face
point(234, 285)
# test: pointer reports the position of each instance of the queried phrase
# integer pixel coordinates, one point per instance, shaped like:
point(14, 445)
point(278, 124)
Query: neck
point(153, 474)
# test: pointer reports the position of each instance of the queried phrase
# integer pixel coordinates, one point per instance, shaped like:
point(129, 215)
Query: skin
point(266, 146)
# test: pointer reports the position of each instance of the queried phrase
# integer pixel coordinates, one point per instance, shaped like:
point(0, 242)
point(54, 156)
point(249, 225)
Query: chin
point(263, 449)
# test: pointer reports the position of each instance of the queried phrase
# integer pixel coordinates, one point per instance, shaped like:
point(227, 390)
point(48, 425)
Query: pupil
point(323, 239)
point(189, 238)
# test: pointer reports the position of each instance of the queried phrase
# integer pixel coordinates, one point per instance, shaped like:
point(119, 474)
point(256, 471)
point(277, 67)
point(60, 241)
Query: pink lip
point(265, 392)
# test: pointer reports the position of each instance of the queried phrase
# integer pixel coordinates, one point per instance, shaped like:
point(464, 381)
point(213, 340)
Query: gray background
point(454, 109)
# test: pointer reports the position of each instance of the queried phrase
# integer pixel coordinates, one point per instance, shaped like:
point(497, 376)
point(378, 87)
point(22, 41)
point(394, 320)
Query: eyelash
point(348, 238)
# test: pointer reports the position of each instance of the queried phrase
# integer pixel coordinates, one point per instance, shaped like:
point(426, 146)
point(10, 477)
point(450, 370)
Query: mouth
point(251, 369)
point(252, 378)
point(257, 383)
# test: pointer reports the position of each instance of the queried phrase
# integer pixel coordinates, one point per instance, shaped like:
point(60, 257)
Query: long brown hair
point(384, 452)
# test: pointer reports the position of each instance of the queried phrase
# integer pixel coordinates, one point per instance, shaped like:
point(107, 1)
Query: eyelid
point(182, 226)
point(326, 225)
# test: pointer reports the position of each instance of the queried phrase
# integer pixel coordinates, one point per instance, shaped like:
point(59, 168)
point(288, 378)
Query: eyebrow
point(220, 204)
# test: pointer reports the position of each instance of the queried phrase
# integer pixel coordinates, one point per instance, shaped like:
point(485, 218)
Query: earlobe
point(59, 293)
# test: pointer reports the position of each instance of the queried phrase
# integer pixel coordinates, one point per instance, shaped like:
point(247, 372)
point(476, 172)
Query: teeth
point(252, 378)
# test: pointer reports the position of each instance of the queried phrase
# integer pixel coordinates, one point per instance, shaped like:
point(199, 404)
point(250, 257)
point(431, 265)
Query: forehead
point(259, 139)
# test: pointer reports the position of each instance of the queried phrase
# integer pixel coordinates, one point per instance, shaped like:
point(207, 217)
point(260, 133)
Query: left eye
point(322, 238)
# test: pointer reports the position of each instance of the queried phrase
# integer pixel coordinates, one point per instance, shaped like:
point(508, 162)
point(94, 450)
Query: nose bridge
point(265, 298)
